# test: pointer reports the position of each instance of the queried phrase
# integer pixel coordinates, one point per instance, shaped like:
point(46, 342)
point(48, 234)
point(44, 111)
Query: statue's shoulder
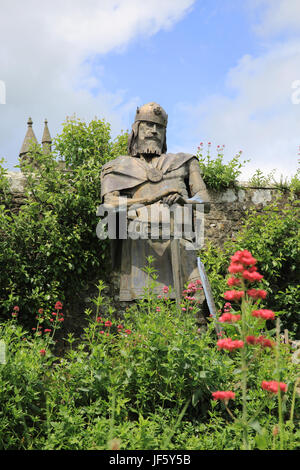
point(173, 161)
point(116, 161)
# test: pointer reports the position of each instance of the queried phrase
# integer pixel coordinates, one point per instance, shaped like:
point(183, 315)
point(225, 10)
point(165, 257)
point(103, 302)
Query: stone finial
point(46, 139)
point(29, 139)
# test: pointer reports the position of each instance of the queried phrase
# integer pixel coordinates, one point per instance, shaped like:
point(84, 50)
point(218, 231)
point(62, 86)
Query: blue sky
point(223, 71)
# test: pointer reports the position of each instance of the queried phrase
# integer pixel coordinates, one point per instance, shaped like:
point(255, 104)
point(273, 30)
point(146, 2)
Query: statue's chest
point(172, 181)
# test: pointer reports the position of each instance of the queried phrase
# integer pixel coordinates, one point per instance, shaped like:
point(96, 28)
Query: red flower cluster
point(15, 312)
point(229, 318)
point(229, 344)
point(242, 265)
point(257, 293)
point(233, 281)
point(243, 257)
point(264, 342)
point(252, 275)
point(58, 306)
point(264, 314)
point(233, 295)
point(224, 396)
point(108, 323)
point(273, 386)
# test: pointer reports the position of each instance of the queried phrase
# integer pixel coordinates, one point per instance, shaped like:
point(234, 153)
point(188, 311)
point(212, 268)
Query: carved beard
point(149, 146)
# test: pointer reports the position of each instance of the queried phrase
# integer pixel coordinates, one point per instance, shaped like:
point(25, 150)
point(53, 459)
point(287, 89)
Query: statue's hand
point(174, 199)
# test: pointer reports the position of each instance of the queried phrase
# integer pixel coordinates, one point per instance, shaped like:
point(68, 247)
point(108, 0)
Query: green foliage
point(217, 174)
point(49, 250)
point(259, 180)
point(273, 235)
point(143, 382)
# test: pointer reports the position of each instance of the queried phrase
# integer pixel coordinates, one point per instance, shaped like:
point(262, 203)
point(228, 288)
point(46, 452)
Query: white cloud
point(258, 113)
point(277, 16)
point(44, 52)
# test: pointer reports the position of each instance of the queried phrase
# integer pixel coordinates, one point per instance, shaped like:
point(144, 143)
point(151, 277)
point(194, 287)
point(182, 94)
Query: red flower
point(265, 342)
point(128, 332)
point(257, 293)
point(108, 323)
point(251, 339)
point(58, 306)
point(224, 396)
point(16, 308)
point(264, 314)
point(99, 319)
point(273, 386)
point(233, 295)
point(243, 257)
point(229, 344)
point(101, 332)
point(40, 311)
point(120, 327)
point(42, 352)
point(236, 268)
point(252, 276)
point(233, 281)
point(229, 318)
point(47, 330)
point(165, 289)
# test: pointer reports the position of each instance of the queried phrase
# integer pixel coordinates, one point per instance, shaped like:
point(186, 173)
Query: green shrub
point(49, 250)
point(217, 174)
point(143, 382)
point(273, 235)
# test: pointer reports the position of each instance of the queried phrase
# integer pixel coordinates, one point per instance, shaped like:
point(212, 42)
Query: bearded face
point(150, 138)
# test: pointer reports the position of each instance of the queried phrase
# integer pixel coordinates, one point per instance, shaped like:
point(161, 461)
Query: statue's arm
point(197, 186)
point(198, 191)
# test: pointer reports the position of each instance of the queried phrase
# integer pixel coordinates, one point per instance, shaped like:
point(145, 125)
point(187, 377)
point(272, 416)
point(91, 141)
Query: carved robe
point(136, 178)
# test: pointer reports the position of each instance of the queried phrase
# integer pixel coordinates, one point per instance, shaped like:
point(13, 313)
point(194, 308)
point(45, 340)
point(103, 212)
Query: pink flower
point(157, 309)
point(165, 289)
point(224, 396)
point(264, 314)
point(40, 311)
point(233, 295)
point(58, 306)
point(101, 332)
point(273, 386)
point(16, 308)
point(47, 330)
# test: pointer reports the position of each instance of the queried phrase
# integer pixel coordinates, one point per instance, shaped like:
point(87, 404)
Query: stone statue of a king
point(159, 189)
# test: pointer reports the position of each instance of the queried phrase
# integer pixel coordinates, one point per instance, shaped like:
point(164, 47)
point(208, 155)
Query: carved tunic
point(136, 178)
